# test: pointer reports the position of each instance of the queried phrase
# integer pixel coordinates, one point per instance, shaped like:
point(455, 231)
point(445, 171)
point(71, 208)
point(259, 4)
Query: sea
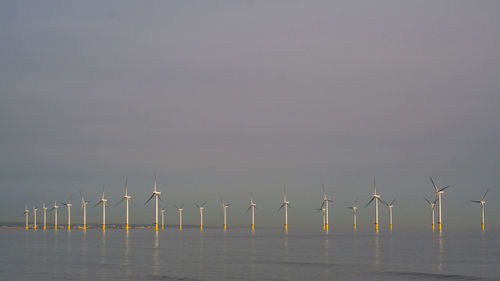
point(239, 254)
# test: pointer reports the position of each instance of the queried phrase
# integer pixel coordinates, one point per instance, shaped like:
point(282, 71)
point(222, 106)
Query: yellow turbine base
point(224, 227)
point(323, 227)
point(376, 226)
point(439, 225)
point(482, 226)
point(156, 226)
point(84, 227)
point(26, 227)
point(201, 227)
point(354, 227)
point(390, 226)
point(126, 227)
point(44, 227)
point(326, 227)
point(432, 226)
point(253, 226)
point(55, 227)
point(69, 227)
point(180, 227)
point(34, 227)
point(162, 227)
point(286, 227)
point(103, 227)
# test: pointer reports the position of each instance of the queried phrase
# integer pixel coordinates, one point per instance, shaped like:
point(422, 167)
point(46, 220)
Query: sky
point(239, 98)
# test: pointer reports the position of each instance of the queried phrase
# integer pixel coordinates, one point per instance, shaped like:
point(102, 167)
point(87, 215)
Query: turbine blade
point(152, 195)
point(428, 201)
point(442, 189)
point(369, 202)
point(392, 202)
point(159, 197)
point(475, 201)
point(197, 206)
point(123, 199)
point(248, 209)
point(98, 203)
point(433, 184)
point(383, 202)
point(280, 207)
point(204, 203)
point(484, 196)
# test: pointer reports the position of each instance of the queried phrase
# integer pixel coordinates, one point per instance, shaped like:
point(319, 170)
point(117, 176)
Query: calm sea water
point(267, 254)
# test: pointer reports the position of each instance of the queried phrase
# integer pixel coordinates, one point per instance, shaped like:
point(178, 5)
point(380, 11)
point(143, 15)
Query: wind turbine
point(251, 208)
point(354, 209)
point(201, 207)
point(125, 198)
point(375, 197)
point(156, 195)
point(26, 213)
point(482, 202)
point(325, 206)
point(162, 218)
point(286, 204)
point(179, 210)
point(84, 207)
point(103, 202)
point(34, 217)
point(68, 205)
point(224, 211)
point(439, 193)
point(433, 205)
point(54, 208)
point(390, 206)
point(44, 216)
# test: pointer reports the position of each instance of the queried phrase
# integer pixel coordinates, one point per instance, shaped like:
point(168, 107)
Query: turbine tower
point(482, 202)
point(44, 209)
point(251, 208)
point(84, 207)
point(125, 198)
point(156, 195)
point(324, 206)
point(390, 206)
point(162, 218)
point(68, 205)
point(354, 209)
point(26, 213)
point(286, 204)
point(103, 202)
point(224, 212)
point(179, 210)
point(375, 197)
point(34, 217)
point(54, 208)
point(433, 205)
point(201, 207)
point(439, 193)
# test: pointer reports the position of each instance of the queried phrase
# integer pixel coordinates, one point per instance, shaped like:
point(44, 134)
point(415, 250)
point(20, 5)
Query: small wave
point(419, 275)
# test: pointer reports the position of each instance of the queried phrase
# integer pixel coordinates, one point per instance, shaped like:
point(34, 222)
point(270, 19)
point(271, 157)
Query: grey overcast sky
point(234, 97)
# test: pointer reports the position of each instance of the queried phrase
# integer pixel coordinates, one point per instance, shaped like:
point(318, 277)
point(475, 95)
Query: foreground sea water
point(266, 254)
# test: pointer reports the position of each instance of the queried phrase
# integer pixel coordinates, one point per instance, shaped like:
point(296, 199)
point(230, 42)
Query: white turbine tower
point(201, 207)
point(54, 208)
point(354, 209)
point(390, 206)
point(285, 204)
point(68, 205)
point(162, 218)
point(179, 210)
point(375, 197)
point(34, 217)
point(26, 213)
point(103, 202)
point(252, 208)
point(482, 202)
point(433, 205)
point(84, 207)
point(324, 206)
point(44, 209)
point(224, 212)
point(125, 198)
point(156, 195)
point(439, 193)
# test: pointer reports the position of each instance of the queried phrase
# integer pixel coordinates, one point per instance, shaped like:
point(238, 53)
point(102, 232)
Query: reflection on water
point(126, 252)
point(377, 251)
point(156, 254)
point(440, 252)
